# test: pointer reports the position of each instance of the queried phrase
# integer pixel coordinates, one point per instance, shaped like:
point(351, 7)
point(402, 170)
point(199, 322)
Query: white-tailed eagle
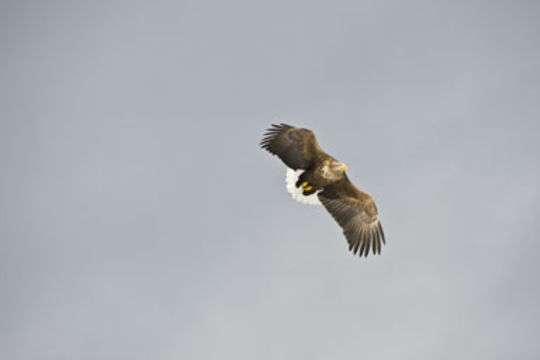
point(314, 176)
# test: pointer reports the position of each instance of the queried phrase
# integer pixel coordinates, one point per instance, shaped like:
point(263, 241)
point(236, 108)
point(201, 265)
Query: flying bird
point(314, 177)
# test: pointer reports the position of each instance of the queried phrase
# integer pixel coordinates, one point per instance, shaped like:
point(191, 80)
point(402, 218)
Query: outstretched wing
point(297, 148)
point(355, 211)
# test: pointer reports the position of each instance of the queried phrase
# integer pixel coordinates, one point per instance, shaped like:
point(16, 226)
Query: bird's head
point(339, 167)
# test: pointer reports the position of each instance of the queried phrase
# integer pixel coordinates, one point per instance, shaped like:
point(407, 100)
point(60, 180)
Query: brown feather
point(297, 148)
point(355, 211)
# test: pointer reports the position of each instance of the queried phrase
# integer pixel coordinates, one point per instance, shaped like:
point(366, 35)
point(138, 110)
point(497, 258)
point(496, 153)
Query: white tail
point(296, 193)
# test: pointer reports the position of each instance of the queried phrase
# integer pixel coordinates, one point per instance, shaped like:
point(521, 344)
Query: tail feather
point(296, 193)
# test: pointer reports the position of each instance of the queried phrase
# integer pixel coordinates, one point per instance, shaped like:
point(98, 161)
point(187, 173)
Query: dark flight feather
point(355, 211)
point(297, 148)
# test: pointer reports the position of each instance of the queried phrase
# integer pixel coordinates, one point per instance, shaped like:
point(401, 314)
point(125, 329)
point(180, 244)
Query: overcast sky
point(140, 220)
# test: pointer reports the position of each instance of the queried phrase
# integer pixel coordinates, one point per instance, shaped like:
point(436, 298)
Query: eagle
point(314, 177)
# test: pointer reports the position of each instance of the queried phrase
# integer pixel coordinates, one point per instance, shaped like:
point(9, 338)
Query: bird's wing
point(297, 148)
point(355, 211)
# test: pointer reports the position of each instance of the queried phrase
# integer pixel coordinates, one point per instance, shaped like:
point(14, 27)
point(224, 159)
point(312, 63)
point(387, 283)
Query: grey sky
point(140, 220)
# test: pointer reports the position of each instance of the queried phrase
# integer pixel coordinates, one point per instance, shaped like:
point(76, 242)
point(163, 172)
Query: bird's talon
point(309, 187)
point(304, 184)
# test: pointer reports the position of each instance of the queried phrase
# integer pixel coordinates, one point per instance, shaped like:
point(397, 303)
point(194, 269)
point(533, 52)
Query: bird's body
point(314, 175)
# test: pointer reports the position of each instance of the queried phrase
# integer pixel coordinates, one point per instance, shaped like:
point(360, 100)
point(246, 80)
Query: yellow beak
point(343, 167)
